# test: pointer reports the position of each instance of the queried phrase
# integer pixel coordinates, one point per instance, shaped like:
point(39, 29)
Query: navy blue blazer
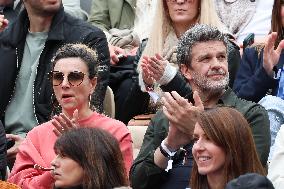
point(252, 82)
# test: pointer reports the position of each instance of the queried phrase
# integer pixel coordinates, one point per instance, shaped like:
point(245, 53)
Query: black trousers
point(129, 99)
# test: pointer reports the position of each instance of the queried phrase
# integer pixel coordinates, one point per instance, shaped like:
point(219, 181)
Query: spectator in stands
point(88, 158)
point(260, 70)
point(245, 17)
point(74, 80)
point(125, 23)
point(222, 139)
point(3, 154)
point(168, 26)
point(27, 47)
point(257, 77)
point(251, 181)
point(276, 168)
point(202, 57)
point(11, 8)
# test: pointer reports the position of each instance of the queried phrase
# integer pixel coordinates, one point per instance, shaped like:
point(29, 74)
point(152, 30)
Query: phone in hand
point(249, 40)
point(9, 143)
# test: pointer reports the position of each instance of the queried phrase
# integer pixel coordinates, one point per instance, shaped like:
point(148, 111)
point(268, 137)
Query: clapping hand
point(147, 75)
point(62, 123)
point(157, 66)
point(182, 117)
point(153, 68)
point(271, 56)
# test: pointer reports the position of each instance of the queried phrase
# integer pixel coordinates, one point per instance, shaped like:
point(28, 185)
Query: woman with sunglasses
point(223, 149)
point(74, 80)
point(88, 158)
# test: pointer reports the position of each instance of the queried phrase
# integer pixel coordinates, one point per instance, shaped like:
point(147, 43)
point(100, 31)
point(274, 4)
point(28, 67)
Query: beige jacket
point(108, 14)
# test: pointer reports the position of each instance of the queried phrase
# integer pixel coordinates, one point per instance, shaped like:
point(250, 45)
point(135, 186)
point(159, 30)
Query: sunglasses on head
point(74, 78)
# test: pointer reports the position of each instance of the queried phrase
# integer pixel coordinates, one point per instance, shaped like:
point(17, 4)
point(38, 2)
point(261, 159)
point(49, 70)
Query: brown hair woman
point(223, 149)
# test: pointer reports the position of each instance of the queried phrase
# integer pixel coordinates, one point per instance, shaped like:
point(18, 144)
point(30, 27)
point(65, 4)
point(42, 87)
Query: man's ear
point(94, 84)
point(185, 72)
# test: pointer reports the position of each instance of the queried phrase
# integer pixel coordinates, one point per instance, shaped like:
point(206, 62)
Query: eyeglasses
point(75, 78)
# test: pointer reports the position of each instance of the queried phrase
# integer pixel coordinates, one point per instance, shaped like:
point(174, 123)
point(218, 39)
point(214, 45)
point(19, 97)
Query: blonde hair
point(162, 25)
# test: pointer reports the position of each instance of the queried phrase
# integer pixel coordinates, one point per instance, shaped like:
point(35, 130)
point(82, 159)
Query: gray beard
point(211, 87)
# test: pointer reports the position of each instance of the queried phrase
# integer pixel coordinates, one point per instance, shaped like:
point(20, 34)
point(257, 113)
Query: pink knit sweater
point(38, 149)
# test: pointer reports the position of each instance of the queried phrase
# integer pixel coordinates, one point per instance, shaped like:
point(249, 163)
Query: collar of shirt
point(228, 98)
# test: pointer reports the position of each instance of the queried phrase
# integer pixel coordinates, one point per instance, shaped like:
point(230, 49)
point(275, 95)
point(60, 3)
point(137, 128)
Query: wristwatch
point(168, 154)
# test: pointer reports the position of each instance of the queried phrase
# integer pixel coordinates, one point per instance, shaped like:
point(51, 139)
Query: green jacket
point(108, 14)
point(144, 174)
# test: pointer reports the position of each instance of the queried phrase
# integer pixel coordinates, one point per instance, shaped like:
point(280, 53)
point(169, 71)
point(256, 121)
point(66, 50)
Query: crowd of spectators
point(213, 108)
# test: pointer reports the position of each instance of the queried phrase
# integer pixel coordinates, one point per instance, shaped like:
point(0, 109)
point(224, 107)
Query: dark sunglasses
point(75, 78)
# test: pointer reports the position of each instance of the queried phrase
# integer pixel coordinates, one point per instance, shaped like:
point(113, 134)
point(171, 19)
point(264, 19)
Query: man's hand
point(271, 56)
point(12, 152)
point(182, 117)
point(114, 52)
point(3, 23)
point(62, 123)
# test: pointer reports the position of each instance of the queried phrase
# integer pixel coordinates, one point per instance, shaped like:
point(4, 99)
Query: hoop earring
point(90, 100)
point(56, 108)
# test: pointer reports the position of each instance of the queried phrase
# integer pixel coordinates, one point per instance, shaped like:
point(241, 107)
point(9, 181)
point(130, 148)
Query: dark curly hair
point(196, 34)
point(78, 50)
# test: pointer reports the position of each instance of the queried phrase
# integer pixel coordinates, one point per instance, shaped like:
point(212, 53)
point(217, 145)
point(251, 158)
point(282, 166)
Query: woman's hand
point(62, 123)
point(157, 66)
point(153, 68)
point(271, 56)
point(114, 52)
point(12, 152)
point(146, 73)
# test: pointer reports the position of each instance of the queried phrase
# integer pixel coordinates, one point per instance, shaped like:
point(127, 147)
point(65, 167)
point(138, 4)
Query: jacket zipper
point(34, 84)
point(13, 92)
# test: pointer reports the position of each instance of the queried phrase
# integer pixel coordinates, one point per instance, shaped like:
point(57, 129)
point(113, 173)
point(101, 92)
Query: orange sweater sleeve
point(127, 152)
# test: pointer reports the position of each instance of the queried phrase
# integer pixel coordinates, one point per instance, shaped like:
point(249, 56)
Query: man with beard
point(165, 159)
point(26, 49)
